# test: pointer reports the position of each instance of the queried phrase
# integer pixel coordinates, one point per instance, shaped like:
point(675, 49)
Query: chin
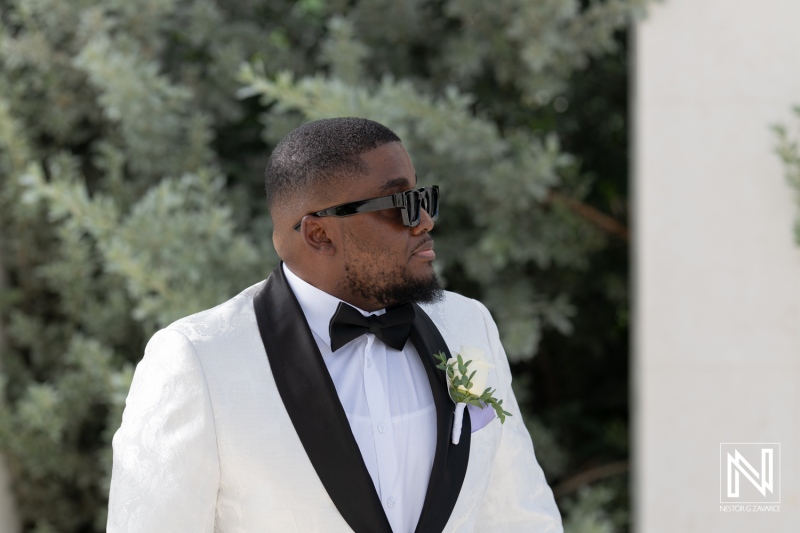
point(424, 270)
point(425, 288)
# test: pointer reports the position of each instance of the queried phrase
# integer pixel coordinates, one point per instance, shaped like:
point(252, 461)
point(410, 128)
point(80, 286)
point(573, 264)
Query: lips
point(425, 250)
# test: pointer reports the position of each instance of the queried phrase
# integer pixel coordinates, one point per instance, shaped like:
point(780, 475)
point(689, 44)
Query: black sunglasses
point(410, 204)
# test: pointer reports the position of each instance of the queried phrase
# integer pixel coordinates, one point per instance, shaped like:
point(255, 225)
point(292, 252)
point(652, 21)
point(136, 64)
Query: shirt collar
point(318, 306)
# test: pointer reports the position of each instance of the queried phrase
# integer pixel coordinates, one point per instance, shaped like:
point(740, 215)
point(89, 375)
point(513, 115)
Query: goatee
point(400, 290)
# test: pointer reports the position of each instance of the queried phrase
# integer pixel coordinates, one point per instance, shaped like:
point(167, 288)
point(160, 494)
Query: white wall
point(717, 275)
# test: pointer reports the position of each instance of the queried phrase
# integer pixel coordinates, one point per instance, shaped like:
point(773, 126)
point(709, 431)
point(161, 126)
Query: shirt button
point(369, 362)
point(382, 429)
point(391, 502)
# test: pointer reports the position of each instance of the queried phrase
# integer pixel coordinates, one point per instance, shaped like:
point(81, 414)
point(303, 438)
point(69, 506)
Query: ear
point(317, 236)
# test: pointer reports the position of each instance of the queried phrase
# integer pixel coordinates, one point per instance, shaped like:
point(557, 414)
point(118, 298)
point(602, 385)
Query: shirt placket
point(381, 420)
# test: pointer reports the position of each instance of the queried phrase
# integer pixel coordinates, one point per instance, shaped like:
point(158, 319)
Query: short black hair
point(318, 152)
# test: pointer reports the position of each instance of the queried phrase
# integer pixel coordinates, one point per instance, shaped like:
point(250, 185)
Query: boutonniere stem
point(466, 379)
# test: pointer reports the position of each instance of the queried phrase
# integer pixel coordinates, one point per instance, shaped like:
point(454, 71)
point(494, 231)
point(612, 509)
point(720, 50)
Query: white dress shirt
point(387, 398)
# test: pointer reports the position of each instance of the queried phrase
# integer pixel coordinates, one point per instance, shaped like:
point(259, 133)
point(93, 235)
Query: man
point(311, 401)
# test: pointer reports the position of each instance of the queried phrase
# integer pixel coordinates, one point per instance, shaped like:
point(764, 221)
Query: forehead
point(389, 170)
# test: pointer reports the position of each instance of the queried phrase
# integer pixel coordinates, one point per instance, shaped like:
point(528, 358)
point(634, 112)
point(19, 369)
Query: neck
point(322, 280)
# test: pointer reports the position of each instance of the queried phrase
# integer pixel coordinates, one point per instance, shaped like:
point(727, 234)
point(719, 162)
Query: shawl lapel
point(450, 461)
point(310, 399)
point(313, 405)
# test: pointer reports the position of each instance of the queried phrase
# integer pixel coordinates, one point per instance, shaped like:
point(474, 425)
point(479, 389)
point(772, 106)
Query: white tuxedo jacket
point(233, 425)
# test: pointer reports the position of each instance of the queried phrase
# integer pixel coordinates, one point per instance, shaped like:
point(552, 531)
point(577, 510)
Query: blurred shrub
point(130, 194)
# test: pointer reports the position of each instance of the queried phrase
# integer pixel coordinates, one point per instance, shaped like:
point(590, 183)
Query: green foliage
point(790, 155)
point(586, 512)
point(131, 155)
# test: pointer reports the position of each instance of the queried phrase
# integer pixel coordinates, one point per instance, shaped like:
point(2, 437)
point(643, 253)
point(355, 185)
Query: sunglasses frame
point(422, 198)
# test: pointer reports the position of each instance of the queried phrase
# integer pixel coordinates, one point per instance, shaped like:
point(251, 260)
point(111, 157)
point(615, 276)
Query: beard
point(396, 289)
point(369, 278)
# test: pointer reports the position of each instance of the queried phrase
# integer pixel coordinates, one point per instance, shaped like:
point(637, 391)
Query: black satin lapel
point(450, 461)
point(313, 405)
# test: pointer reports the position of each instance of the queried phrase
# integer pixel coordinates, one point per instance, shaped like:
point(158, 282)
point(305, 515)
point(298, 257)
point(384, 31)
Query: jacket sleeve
point(165, 474)
point(518, 499)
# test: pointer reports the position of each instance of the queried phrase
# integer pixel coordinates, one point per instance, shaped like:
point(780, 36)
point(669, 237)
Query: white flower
point(477, 394)
point(478, 364)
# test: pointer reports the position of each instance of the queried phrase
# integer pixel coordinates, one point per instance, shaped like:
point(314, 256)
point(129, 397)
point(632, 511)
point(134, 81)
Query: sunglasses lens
point(412, 205)
point(426, 198)
point(425, 201)
point(431, 201)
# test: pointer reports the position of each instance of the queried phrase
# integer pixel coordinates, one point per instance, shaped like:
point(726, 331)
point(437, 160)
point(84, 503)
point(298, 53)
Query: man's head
point(370, 260)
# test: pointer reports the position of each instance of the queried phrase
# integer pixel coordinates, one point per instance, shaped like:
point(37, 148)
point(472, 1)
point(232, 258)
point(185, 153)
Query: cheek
point(377, 235)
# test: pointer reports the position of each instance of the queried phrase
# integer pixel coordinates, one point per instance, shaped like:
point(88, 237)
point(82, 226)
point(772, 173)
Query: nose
point(425, 222)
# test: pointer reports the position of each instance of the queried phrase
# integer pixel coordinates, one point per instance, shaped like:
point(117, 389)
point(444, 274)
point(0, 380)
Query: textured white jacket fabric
point(206, 444)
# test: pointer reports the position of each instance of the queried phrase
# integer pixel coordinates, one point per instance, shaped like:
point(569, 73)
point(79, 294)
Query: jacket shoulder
point(221, 319)
point(460, 320)
point(453, 305)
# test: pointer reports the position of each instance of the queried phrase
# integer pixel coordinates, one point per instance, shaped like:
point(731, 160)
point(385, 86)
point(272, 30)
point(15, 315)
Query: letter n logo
point(749, 472)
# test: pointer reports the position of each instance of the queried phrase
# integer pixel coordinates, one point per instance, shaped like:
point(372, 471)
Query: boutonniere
point(467, 373)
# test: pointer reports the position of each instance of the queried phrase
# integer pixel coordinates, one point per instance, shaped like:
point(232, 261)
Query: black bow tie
point(392, 327)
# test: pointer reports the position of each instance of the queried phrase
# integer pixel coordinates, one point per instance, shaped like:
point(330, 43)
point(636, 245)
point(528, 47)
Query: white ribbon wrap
point(457, 422)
